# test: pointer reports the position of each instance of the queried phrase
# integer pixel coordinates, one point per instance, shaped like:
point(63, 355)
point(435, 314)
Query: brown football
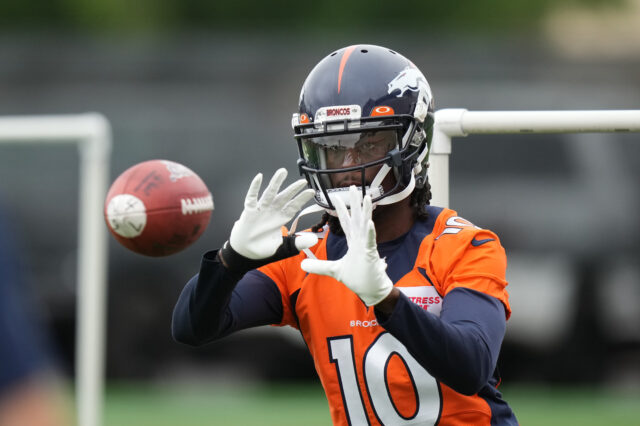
point(158, 207)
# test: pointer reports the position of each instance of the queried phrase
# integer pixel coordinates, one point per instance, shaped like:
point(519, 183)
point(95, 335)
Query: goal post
point(91, 132)
point(456, 122)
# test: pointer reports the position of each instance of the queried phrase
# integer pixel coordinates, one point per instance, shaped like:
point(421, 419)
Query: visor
point(339, 153)
point(347, 150)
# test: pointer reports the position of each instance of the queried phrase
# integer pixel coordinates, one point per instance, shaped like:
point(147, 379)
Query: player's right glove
point(256, 238)
point(361, 269)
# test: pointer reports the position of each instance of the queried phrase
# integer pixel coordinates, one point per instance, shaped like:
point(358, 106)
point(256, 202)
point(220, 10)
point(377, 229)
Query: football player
point(402, 305)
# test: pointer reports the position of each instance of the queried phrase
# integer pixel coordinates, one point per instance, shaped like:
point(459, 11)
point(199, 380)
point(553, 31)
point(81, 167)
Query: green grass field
point(282, 405)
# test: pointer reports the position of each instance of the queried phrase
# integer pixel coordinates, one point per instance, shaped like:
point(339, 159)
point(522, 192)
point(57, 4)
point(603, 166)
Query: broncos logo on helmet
point(412, 79)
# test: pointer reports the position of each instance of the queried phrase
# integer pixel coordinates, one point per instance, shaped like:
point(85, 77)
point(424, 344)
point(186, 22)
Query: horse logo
point(412, 79)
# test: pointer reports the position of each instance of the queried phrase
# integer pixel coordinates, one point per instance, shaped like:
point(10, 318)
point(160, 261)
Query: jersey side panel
point(459, 254)
point(463, 410)
point(288, 276)
point(457, 409)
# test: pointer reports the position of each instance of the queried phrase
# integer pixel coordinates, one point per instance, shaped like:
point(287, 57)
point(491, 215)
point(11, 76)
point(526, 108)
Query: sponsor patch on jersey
point(424, 296)
point(364, 324)
point(475, 242)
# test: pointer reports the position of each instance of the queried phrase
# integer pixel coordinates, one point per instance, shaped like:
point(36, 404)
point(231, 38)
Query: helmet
point(364, 111)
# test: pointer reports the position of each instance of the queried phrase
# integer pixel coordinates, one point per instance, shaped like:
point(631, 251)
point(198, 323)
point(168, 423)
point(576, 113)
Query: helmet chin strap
point(399, 195)
point(418, 167)
point(377, 182)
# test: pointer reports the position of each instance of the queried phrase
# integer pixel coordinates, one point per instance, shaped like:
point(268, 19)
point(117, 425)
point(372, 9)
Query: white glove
point(256, 238)
point(361, 269)
point(258, 232)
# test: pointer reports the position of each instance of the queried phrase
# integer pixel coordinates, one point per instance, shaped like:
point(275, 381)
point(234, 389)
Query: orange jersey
point(369, 376)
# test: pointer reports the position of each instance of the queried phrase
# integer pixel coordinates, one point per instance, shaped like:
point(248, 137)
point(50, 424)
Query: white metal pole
point(92, 273)
point(460, 122)
point(439, 168)
point(93, 135)
point(453, 122)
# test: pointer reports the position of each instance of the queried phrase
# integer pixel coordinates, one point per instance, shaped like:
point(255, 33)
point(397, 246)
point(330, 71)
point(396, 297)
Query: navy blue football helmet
point(364, 111)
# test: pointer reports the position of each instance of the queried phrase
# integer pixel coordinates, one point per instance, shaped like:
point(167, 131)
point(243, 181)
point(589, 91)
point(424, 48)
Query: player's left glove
point(361, 269)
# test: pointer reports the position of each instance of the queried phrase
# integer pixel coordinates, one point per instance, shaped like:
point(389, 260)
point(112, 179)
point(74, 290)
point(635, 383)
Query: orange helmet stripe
point(343, 62)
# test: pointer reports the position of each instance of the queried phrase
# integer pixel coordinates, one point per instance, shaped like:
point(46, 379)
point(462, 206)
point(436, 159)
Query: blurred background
point(212, 85)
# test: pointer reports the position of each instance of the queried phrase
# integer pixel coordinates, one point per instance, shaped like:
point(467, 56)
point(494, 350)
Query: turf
point(552, 406)
point(135, 405)
point(131, 404)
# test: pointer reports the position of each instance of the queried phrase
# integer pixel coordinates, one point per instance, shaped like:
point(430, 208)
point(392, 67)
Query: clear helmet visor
point(346, 159)
point(345, 151)
point(379, 155)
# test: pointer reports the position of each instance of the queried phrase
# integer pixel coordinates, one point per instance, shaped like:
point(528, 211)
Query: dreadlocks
point(420, 199)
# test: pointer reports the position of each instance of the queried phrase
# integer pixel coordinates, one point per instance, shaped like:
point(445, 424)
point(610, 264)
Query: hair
point(420, 199)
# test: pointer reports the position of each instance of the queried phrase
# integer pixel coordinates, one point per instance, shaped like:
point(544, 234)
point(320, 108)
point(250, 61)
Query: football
point(158, 208)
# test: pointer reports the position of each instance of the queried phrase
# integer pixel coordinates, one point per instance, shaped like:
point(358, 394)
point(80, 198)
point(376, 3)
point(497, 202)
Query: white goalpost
point(92, 133)
point(456, 122)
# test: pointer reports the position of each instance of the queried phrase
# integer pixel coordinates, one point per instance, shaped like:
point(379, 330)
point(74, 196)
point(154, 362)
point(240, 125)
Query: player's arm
point(216, 302)
point(225, 295)
point(461, 347)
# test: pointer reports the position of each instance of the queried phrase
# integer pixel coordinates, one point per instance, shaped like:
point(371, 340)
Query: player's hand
point(361, 269)
point(256, 238)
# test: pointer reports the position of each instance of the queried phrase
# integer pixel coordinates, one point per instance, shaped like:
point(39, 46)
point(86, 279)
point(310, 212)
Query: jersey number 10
point(375, 365)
